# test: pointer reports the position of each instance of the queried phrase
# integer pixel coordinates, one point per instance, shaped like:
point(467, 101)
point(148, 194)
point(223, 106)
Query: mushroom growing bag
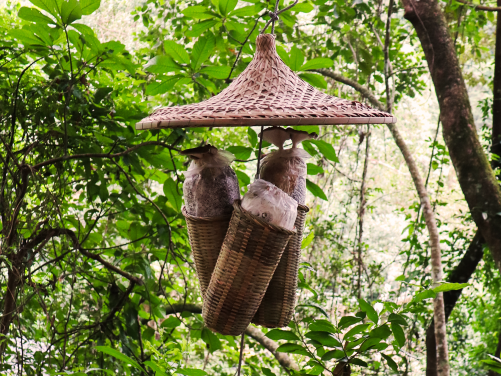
point(287, 170)
point(211, 186)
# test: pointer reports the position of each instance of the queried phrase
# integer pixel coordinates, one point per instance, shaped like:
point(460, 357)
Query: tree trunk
point(496, 102)
point(461, 274)
point(474, 172)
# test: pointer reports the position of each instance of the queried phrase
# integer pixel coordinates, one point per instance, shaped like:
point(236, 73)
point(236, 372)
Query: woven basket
point(278, 304)
point(249, 256)
point(206, 237)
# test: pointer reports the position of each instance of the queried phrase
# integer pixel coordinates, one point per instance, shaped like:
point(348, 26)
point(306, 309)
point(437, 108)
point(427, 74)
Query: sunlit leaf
point(315, 190)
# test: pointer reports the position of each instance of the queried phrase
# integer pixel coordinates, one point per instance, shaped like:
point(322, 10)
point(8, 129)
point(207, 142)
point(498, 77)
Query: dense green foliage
point(93, 245)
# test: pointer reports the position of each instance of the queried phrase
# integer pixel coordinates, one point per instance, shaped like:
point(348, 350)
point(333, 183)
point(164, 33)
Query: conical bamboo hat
point(267, 92)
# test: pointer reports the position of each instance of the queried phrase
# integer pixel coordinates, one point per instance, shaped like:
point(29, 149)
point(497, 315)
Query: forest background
point(96, 270)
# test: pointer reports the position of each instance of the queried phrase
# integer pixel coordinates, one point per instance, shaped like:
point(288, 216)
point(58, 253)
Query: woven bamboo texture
point(206, 236)
point(267, 92)
point(249, 256)
point(277, 306)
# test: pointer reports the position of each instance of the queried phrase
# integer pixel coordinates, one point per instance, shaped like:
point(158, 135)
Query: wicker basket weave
point(278, 304)
point(206, 237)
point(249, 256)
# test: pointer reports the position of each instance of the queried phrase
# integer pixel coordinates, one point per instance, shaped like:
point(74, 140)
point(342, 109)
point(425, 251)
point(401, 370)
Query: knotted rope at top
point(274, 16)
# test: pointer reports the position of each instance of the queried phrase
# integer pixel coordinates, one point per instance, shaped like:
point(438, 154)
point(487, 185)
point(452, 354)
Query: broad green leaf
point(293, 348)
point(162, 64)
point(211, 340)
point(305, 7)
point(326, 149)
point(356, 330)
point(209, 85)
point(369, 343)
point(322, 326)
point(202, 50)
point(307, 241)
point(369, 310)
point(163, 86)
point(84, 29)
point(248, 11)
point(277, 334)
point(450, 287)
point(349, 345)
point(312, 169)
point(325, 338)
point(70, 11)
point(34, 15)
point(176, 51)
point(267, 372)
point(319, 62)
point(381, 332)
point(396, 318)
point(333, 354)
point(50, 6)
point(243, 177)
point(26, 37)
point(200, 27)
point(240, 152)
point(283, 55)
point(426, 294)
point(315, 190)
point(172, 194)
point(391, 362)
point(314, 80)
point(117, 354)
point(221, 72)
point(252, 136)
point(226, 6)
point(155, 367)
point(198, 12)
point(191, 372)
point(296, 59)
point(315, 306)
point(400, 278)
point(398, 333)
point(89, 6)
point(358, 362)
point(347, 321)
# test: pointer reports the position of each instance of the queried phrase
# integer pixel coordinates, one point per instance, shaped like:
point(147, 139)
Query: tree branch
point(480, 7)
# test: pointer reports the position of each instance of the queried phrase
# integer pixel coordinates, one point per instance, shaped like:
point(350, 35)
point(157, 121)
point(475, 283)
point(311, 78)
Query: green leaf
point(283, 55)
point(202, 50)
point(296, 59)
point(26, 37)
point(313, 169)
point(162, 64)
point(391, 362)
point(50, 6)
point(322, 326)
point(305, 7)
point(34, 15)
point(243, 177)
point(89, 6)
point(396, 318)
point(240, 152)
point(84, 29)
point(221, 72)
point(200, 27)
point(267, 372)
point(292, 348)
point(426, 294)
point(252, 136)
point(307, 241)
point(191, 372)
point(314, 80)
point(318, 63)
point(162, 87)
point(325, 338)
point(117, 354)
point(326, 149)
point(155, 367)
point(277, 334)
point(248, 11)
point(356, 330)
point(176, 51)
point(198, 12)
point(358, 362)
point(381, 332)
point(315, 190)
point(367, 308)
point(450, 286)
point(398, 333)
point(226, 6)
point(70, 11)
point(315, 306)
point(369, 343)
point(333, 354)
point(172, 194)
point(347, 321)
point(400, 278)
point(211, 340)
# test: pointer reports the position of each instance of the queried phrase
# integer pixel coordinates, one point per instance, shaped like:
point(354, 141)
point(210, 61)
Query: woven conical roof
point(267, 92)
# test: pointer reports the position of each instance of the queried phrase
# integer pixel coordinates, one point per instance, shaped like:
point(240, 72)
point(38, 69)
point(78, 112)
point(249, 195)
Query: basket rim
point(204, 219)
point(237, 206)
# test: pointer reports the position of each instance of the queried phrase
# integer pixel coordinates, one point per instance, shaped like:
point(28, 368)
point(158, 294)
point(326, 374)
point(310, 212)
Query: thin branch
point(480, 7)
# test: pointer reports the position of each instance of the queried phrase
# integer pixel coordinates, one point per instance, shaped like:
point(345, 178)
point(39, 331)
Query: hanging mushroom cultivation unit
point(248, 265)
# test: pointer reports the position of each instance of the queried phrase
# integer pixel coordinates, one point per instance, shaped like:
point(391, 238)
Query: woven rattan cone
point(277, 306)
point(267, 92)
point(249, 256)
point(206, 236)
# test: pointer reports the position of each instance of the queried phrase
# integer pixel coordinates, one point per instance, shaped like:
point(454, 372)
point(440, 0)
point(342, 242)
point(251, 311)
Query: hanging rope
point(258, 173)
point(241, 354)
point(274, 16)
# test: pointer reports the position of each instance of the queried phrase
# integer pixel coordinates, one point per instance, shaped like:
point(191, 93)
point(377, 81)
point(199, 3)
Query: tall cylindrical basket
point(249, 256)
point(277, 306)
point(206, 236)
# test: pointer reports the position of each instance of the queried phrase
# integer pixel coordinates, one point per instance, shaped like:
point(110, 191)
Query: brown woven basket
point(278, 304)
point(206, 237)
point(249, 256)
